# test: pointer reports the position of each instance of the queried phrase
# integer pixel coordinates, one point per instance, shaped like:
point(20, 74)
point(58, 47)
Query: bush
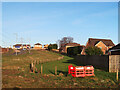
point(93, 51)
point(72, 51)
point(52, 46)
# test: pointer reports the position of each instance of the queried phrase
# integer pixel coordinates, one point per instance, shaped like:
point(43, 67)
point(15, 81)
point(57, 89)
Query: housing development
point(59, 45)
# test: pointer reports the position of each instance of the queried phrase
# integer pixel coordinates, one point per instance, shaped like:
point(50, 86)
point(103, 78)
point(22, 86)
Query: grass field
point(16, 72)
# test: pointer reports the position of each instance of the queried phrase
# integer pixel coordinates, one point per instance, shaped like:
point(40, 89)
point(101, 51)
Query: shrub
point(52, 46)
point(72, 51)
point(93, 51)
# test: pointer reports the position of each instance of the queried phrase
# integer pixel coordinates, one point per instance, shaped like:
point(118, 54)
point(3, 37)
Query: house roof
point(46, 45)
point(115, 47)
point(69, 44)
point(72, 44)
point(82, 45)
point(26, 44)
point(17, 45)
point(94, 41)
point(37, 44)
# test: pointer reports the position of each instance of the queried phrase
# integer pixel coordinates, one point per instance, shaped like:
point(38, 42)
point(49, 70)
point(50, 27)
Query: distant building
point(103, 44)
point(46, 46)
point(37, 46)
point(26, 46)
point(18, 46)
point(4, 50)
point(64, 47)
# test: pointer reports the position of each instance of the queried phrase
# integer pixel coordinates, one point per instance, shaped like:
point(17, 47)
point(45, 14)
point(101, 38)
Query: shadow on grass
point(63, 72)
point(51, 72)
point(72, 61)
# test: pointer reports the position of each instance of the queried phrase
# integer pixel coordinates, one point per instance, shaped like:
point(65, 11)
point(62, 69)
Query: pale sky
point(47, 22)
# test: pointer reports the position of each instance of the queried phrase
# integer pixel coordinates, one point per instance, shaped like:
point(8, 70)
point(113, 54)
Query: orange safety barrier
point(89, 71)
point(81, 71)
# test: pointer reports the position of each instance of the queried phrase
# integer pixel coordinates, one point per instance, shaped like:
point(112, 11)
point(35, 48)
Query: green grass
point(23, 78)
point(23, 60)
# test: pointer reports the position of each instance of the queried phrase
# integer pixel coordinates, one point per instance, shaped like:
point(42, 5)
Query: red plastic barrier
point(81, 71)
point(70, 68)
point(73, 72)
point(89, 71)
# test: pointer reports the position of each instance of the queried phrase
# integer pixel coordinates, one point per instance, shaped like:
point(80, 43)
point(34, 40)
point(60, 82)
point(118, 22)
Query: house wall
point(37, 46)
point(24, 47)
point(83, 52)
point(65, 50)
point(104, 47)
point(46, 46)
point(67, 47)
point(4, 50)
point(13, 47)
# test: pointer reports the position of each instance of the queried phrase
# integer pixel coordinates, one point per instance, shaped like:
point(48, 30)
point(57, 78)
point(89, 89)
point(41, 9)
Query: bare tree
point(65, 40)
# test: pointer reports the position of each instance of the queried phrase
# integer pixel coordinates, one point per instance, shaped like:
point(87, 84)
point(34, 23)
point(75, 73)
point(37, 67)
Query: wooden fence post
point(41, 69)
point(30, 67)
point(117, 67)
point(34, 67)
point(55, 70)
point(117, 75)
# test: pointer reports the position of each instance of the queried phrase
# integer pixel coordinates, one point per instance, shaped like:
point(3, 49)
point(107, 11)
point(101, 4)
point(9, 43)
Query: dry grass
point(16, 72)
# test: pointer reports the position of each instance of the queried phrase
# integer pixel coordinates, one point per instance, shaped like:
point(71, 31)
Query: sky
point(48, 22)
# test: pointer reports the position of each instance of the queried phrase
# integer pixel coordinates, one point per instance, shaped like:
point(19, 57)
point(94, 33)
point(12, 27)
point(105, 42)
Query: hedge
point(72, 51)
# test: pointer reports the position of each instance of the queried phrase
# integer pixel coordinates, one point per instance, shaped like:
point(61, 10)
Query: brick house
point(63, 48)
point(103, 44)
point(37, 46)
point(3, 50)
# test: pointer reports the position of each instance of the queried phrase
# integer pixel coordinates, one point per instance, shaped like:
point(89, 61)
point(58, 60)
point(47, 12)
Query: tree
point(93, 51)
point(52, 46)
point(65, 40)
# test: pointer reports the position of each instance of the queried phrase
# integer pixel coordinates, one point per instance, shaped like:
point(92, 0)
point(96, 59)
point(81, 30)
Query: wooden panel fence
point(114, 63)
point(106, 62)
